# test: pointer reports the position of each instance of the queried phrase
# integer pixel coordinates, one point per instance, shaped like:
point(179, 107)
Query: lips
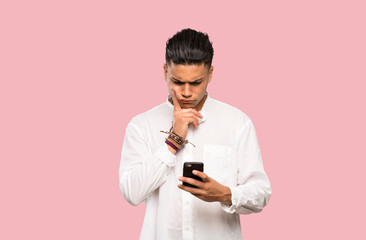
point(185, 101)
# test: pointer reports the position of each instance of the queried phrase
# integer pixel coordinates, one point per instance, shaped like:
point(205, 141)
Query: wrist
point(181, 131)
point(172, 150)
point(226, 196)
point(173, 146)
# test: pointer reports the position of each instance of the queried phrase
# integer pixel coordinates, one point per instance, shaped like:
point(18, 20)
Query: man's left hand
point(208, 190)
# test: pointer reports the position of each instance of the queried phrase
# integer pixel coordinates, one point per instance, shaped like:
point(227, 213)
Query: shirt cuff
point(164, 155)
point(234, 201)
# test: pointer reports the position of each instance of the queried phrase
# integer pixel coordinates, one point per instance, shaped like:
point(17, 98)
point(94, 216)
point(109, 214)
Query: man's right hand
point(184, 117)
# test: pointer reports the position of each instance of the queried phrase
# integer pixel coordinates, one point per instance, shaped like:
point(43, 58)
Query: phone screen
point(188, 167)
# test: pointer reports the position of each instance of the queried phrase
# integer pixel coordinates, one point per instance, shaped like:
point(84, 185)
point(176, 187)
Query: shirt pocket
point(218, 162)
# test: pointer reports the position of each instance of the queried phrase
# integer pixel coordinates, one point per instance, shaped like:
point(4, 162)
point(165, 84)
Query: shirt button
point(187, 202)
point(187, 228)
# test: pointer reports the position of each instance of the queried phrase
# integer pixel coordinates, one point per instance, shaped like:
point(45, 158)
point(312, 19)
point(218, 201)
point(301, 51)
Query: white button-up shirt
point(226, 143)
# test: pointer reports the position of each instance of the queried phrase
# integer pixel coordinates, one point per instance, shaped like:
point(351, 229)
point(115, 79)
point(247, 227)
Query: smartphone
point(188, 167)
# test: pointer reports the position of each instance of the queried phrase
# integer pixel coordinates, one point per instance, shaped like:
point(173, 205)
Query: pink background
point(73, 73)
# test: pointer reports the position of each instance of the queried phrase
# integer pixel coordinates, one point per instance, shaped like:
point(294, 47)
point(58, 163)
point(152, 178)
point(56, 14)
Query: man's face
point(188, 81)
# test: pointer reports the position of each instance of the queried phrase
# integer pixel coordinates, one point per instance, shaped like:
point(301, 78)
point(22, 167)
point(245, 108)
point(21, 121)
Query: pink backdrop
point(73, 73)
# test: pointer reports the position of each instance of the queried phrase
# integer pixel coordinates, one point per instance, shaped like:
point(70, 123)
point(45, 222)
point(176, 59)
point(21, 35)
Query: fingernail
point(194, 171)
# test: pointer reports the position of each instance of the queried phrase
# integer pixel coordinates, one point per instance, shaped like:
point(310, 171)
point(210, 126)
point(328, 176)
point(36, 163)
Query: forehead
point(190, 72)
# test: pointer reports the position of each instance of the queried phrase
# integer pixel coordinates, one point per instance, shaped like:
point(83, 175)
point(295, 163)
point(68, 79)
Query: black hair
point(189, 47)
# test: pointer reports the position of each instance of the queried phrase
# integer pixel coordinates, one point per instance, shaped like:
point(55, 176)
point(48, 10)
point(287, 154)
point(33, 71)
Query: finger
point(194, 121)
point(191, 181)
point(191, 119)
point(175, 101)
point(196, 113)
point(199, 114)
point(195, 191)
point(193, 111)
point(202, 175)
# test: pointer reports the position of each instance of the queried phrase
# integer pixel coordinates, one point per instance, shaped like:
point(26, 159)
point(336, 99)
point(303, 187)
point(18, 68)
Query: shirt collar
point(202, 111)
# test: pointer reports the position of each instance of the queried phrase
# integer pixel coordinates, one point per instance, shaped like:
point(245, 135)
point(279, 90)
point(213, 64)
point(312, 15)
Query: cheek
point(172, 87)
point(202, 89)
point(169, 86)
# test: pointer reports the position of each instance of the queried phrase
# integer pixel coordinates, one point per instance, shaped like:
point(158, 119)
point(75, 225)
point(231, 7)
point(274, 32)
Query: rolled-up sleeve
point(253, 189)
point(142, 170)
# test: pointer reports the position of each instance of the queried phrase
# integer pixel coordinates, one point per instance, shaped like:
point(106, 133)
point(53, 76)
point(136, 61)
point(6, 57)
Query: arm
point(142, 170)
point(253, 188)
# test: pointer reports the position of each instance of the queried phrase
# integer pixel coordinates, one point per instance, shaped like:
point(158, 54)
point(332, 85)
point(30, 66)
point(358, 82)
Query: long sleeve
point(142, 170)
point(253, 188)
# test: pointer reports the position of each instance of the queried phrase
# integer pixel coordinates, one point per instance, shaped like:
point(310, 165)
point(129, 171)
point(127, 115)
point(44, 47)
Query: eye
point(177, 83)
point(196, 83)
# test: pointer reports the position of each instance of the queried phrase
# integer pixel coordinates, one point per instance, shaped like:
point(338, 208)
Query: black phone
point(188, 167)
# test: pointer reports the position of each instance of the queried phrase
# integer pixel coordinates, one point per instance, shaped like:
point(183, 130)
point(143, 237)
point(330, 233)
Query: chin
point(188, 105)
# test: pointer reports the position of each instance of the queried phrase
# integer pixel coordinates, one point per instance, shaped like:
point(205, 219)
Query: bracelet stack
point(173, 144)
point(174, 140)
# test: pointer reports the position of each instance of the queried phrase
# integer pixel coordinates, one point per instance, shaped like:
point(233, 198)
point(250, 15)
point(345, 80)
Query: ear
point(165, 71)
point(210, 73)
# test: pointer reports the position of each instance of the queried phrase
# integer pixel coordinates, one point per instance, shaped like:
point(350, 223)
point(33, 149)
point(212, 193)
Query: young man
point(200, 129)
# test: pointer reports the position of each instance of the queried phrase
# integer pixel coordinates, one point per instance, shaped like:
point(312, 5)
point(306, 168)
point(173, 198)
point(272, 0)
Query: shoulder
point(228, 111)
point(150, 115)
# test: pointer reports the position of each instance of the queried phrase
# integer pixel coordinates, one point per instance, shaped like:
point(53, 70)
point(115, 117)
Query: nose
point(186, 93)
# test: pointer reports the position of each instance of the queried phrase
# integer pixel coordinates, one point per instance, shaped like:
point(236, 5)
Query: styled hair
point(189, 47)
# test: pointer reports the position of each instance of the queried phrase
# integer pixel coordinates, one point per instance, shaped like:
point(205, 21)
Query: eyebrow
point(197, 80)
